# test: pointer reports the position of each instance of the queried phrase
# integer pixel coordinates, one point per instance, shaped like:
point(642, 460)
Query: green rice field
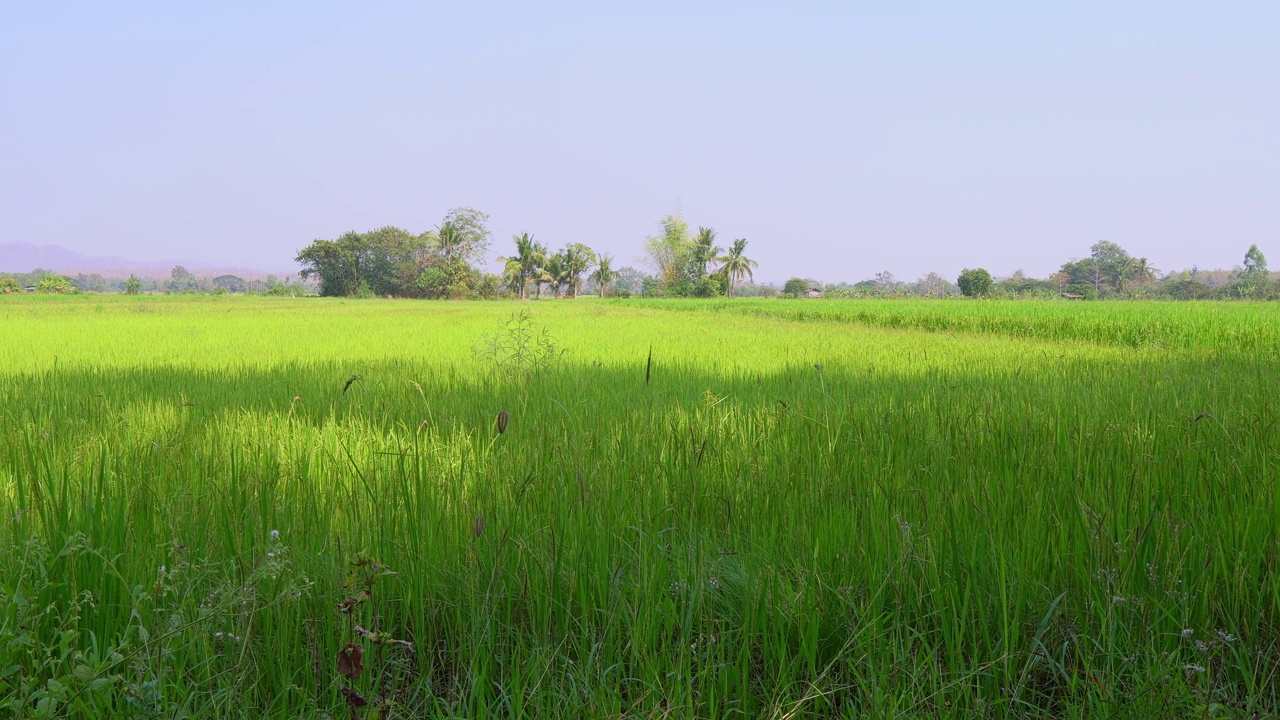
point(235, 507)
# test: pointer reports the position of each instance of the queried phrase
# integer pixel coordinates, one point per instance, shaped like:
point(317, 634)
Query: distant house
point(29, 288)
point(1071, 296)
point(813, 292)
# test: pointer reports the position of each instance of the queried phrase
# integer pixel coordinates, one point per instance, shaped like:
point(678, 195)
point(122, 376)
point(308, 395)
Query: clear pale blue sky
point(839, 138)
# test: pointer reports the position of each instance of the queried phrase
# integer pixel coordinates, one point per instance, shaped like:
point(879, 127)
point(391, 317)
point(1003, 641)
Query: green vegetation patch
point(276, 507)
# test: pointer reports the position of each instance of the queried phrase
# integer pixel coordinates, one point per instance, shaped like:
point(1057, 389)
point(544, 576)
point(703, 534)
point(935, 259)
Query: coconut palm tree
point(1143, 272)
point(449, 238)
point(553, 273)
point(736, 266)
point(604, 274)
point(705, 252)
point(1133, 270)
point(523, 265)
point(513, 275)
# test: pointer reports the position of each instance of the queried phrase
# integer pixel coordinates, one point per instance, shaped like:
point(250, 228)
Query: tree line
point(1109, 272)
point(444, 263)
point(180, 281)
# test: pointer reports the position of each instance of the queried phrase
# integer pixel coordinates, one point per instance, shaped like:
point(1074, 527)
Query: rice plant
point(274, 507)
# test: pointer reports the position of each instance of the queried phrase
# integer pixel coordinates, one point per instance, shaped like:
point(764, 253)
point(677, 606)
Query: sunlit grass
point(795, 516)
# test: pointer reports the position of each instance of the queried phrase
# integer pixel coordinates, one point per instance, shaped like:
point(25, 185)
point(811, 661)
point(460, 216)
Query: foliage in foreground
point(684, 517)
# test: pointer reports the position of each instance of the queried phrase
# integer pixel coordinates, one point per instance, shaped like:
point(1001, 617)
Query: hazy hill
point(21, 257)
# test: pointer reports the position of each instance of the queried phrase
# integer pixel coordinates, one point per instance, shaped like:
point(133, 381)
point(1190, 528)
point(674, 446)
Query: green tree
point(605, 275)
point(449, 279)
point(702, 254)
point(735, 265)
point(631, 280)
point(335, 263)
point(386, 261)
point(233, 283)
point(666, 253)
point(975, 282)
point(464, 233)
point(1109, 269)
point(577, 259)
point(448, 240)
point(795, 287)
point(1255, 263)
point(1184, 286)
point(9, 284)
point(540, 275)
point(933, 285)
point(181, 281)
point(513, 276)
point(133, 286)
point(554, 273)
point(524, 265)
point(1142, 272)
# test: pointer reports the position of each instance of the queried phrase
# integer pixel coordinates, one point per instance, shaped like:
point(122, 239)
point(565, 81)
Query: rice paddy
point(268, 507)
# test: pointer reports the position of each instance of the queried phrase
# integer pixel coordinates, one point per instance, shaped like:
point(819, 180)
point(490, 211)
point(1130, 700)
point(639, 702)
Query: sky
point(839, 138)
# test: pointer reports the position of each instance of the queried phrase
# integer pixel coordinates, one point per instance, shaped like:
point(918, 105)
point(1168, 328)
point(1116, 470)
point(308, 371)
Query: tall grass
point(773, 517)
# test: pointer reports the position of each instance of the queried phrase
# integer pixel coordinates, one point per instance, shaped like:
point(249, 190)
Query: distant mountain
point(21, 257)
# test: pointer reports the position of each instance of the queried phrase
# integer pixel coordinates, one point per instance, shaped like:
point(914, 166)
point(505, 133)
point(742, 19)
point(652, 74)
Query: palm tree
point(736, 266)
point(450, 239)
point(705, 251)
point(524, 264)
point(1143, 272)
point(1133, 269)
point(513, 275)
point(553, 273)
point(604, 274)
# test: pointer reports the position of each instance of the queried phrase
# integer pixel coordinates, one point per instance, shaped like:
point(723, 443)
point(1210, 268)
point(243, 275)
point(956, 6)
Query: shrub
point(516, 347)
point(55, 284)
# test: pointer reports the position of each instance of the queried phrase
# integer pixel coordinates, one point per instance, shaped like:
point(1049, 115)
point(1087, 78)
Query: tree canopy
point(391, 261)
point(974, 282)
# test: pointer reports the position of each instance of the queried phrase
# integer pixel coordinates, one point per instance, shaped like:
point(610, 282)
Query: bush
point(709, 286)
point(55, 284)
point(517, 348)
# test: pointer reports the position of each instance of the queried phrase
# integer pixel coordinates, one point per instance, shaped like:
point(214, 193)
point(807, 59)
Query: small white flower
point(1190, 669)
point(1188, 632)
point(271, 554)
point(275, 534)
point(1223, 636)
